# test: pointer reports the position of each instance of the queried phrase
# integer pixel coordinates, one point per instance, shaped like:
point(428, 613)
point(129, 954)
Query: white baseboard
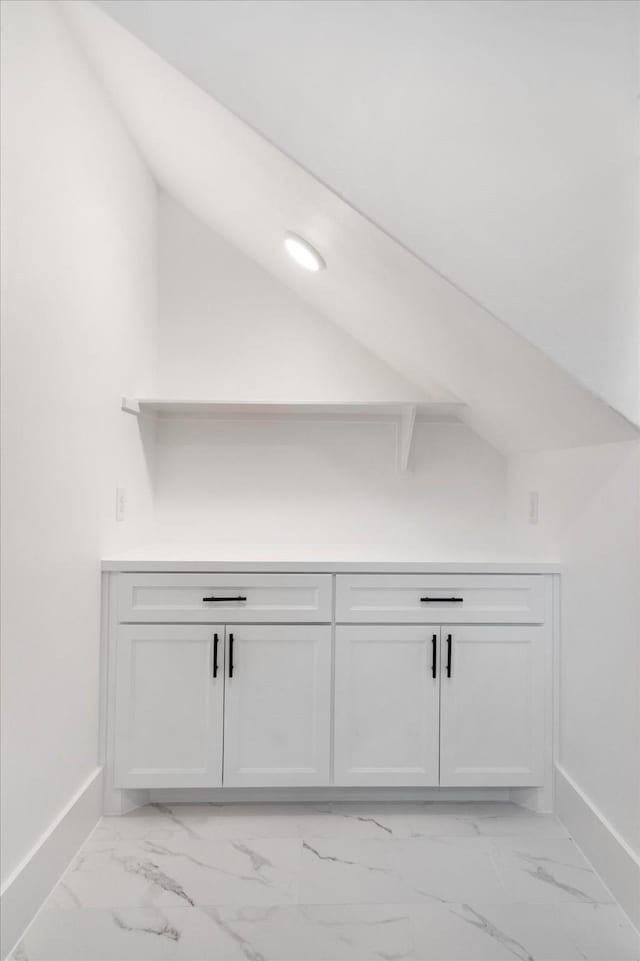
point(30, 884)
point(614, 860)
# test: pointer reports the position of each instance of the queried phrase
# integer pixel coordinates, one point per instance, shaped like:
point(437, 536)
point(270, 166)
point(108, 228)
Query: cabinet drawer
point(247, 598)
point(429, 598)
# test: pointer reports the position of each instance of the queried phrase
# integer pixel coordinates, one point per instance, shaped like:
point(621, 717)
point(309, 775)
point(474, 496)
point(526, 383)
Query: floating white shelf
point(402, 413)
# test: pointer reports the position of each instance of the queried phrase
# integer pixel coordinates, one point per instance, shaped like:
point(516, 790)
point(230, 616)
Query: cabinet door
point(492, 706)
point(169, 706)
point(386, 705)
point(277, 705)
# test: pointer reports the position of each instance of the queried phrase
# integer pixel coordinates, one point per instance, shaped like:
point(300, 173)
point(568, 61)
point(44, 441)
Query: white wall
point(229, 330)
point(496, 140)
point(79, 257)
point(326, 483)
point(590, 517)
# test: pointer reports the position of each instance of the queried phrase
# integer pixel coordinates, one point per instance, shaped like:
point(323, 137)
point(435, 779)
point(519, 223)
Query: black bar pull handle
point(449, 645)
point(434, 648)
point(433, 600)
point(215, 655)
point(230, 655)
point(239, 597)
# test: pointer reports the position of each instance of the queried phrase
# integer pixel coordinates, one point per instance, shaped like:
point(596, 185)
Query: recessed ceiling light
point(303, 253)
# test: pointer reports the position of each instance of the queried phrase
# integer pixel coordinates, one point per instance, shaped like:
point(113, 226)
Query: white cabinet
point(277, 713)
point(169, 705)
point(302, 696)
point(386, 705)
point(492, 716)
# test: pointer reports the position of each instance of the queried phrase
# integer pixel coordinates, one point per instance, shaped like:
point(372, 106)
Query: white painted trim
point(556, 661)
point(130, 406)
point(196, 561)
point(404, 440)
point(612, 857)
point(310, 794)
point(26, 889)
point(105, 613)
point(114, 801)
point(540, 799)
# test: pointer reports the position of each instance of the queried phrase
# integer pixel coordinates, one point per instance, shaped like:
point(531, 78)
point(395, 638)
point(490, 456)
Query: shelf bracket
point(130, 405)
point(405, 435)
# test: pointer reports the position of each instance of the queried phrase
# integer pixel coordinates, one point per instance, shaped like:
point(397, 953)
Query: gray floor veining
point(332, 881)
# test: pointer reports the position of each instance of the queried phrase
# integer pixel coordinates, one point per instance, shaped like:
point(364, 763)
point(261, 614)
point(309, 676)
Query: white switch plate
point(534, 507)
point(121, 503)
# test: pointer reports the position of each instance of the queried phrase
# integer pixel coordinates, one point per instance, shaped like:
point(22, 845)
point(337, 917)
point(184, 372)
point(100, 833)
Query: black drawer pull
point(449, 645)
point(230, 655)
point(215, 655)
point(239, 597)
point(434, 647)
point(440, 600)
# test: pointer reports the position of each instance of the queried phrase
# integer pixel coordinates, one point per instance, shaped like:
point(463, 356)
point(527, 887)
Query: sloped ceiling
point(228, 329)
point(497, 139)
point(391, 302)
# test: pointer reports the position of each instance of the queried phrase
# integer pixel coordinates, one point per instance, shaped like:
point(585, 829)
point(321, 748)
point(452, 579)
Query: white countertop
point(322, 558)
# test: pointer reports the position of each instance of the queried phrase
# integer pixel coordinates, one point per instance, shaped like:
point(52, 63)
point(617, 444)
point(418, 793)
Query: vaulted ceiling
point(422, 325)
point(497, 139)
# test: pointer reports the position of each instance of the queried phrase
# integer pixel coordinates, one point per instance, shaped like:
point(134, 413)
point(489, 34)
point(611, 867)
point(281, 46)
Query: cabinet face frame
point(189, 681)
point(411, 651)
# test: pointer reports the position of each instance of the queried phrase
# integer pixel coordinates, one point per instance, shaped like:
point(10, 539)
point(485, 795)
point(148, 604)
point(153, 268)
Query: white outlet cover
point(121, 503)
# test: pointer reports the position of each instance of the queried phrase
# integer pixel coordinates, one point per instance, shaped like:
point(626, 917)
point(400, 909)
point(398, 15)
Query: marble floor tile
point(424, 932)
point(183, 872)
point(449, 869)
point(247, 821)
point(292, 933)
point(207, 822)
point(144, 824)
point(117, 887)
point(546, 871)
point(528, 932)
point(500, 819)
point(301, 821)
point(125, 934)
point(354, 932)
point(270, 882)
point(339, 870)
point(383, 821)
point(494, 932)
point(600, 932)
point(349, 871)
